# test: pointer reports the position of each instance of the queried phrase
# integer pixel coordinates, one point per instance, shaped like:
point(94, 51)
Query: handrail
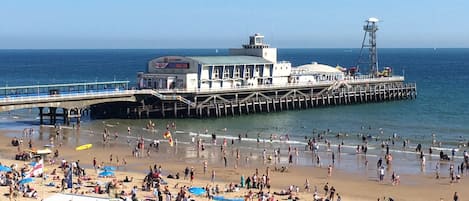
point(174, 94)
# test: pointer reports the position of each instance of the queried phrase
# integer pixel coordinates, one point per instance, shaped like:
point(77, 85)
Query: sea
point(438, 114)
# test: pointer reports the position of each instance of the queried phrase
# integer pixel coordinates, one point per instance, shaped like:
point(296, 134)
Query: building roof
point(316, 68)
point(220, 60)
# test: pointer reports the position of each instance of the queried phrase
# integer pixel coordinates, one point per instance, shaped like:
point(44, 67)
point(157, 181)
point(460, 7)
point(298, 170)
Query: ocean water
point(442, 77)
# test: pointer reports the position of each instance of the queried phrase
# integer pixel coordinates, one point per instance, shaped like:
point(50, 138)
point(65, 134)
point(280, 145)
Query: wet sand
point(351, 185)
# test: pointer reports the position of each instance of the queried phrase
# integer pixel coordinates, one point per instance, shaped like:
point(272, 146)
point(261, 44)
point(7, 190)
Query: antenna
point(370, 29)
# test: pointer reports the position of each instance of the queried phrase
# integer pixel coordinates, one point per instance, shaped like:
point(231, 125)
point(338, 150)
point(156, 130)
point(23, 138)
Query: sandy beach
point(355, 185)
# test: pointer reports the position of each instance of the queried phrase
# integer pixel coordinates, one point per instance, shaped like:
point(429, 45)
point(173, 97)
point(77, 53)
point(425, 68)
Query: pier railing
point(175, 94)
point(59, 97)
point(348, 80)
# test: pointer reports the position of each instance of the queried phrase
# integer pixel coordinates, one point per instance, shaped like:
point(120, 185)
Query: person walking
point(213, 176)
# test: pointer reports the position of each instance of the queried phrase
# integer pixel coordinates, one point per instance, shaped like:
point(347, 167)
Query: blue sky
point(50, 24)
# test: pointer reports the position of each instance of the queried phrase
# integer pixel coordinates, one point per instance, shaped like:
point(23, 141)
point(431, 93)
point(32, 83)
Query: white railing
point(163, 93)
point(68, 96)
point(348, 80)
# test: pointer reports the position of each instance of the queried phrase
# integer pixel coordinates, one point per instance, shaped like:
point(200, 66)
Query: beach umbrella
point(109, 168)
point(26, 180)
point(197, 190)
point(4, 168)
point(106, 174)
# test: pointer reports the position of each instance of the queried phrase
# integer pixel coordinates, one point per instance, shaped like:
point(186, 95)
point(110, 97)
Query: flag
point(38, 169)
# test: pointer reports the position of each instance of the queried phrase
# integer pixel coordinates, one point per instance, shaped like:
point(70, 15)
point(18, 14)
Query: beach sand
point(356, 185)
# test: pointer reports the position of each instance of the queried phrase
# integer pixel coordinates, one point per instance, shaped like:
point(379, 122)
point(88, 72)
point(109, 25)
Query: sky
point(109, 24)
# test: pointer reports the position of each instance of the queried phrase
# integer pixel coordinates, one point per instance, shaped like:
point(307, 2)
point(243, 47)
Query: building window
point(216, 73)
point(247, 72)
point(237, 71)
point(226, 74)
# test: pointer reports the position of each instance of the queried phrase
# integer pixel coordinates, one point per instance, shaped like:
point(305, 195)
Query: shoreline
point(176, 159)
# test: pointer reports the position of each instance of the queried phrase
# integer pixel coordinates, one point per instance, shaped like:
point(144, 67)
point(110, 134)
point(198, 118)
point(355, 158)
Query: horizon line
point(214, 48)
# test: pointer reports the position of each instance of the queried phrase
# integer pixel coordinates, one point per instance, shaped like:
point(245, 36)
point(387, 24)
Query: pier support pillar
point(65, 116)
point(247, 107)
point(280, 104)
point(232, 108)
point(175, 109)
point(52, 115)
point(273, 105)
point(78, 116)
point(41, 115)
point(162, 109)
point(254, 106)
point(226, 109)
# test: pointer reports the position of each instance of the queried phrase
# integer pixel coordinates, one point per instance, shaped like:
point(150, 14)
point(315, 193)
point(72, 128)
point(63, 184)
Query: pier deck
point(268, 98)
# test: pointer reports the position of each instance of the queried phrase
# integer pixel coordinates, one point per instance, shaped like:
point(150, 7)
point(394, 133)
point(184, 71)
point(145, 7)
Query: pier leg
point(65, 116)
point(232, 109)
point(254, 106)
point(162, 109)
point(226, 109)
point(280, 104)
point(41, 115)
point(78, 117)
point(52, 111)
point(175, 110)
point(273, 105)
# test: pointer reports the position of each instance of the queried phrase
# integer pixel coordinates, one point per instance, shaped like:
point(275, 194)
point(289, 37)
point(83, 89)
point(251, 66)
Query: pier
point(67, 103)
point(265, 99)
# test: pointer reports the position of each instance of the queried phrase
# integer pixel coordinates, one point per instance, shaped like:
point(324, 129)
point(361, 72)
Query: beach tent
point(62, 197)
point(106, 174)
point(109, 168)
point(4, 168)
point(197, 190)
point(221, 198)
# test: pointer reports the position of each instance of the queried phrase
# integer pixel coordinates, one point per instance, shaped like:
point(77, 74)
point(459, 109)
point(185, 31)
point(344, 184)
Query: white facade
point(258, 48)
point(253, 65)
point(315, 72)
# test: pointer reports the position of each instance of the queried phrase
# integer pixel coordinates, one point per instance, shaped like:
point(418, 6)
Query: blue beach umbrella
point(106, 174)
point(4, 168)
point(26, 180)
point(221, 198)
point(109, 168)
point(197, 190)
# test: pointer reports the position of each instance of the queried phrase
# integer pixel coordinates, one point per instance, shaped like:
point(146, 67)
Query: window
point(248, 72)
point(216, 73)
point(226, 74)
point(237, 71)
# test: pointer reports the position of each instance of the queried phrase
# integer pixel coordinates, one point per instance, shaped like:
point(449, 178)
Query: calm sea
point(442, 77)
